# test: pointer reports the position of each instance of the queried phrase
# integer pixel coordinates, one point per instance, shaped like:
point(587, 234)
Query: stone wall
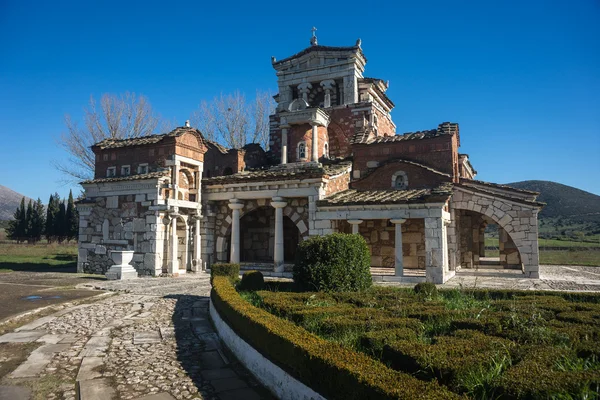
point(338, 183)
point(120, 223)
point(380, 237)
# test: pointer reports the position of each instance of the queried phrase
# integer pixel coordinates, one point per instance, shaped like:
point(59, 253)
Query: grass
point(493, 242)
point(466, 339)
point(37, 257)
point(13, 354)
point(590, 258)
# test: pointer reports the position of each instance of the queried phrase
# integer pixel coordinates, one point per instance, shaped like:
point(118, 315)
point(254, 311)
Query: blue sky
point(521, 78)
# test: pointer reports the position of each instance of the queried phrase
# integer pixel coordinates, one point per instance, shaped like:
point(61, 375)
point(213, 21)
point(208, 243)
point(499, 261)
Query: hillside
point(569, 211)
point(9, 201)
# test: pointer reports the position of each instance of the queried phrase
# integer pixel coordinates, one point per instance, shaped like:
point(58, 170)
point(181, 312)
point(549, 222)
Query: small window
point(111, 171)
point(125, 170)
point(105, 157)
point(301, 151)
point(326, 150)
point(151, 152)
point(375, 120)
point(400, 180)
point(142, 169)
point(113, 156)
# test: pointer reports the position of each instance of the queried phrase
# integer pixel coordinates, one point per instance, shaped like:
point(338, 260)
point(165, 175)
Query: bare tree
point(117, 117)
point(233, 121)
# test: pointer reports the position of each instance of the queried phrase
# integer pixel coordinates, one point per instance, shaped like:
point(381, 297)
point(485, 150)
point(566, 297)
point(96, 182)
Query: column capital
point(278, 202)
point(235, 204)
point(397, 221)
point(355, 221)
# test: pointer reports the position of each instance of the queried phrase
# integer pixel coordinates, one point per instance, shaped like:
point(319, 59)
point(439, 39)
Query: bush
point(333, 263)
point(252, 280)
point(232, 271)
point(328, 368)
point(426, 290)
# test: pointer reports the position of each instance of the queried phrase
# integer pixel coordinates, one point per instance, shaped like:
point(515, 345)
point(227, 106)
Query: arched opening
point(228, 171)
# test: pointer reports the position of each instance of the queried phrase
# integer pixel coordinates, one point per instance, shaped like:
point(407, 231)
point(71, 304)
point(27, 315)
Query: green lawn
point(482, 344)
point(493, 242)
point(37, 257)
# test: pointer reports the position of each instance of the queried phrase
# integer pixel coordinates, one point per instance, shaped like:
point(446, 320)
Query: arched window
point(399, 180)
point(326, 150)
point(301, 151)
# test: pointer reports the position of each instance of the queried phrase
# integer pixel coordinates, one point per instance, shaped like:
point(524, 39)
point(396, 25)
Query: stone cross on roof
point(313, 39)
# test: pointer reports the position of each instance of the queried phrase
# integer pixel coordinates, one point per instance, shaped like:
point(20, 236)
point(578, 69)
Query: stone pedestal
point(122, 268)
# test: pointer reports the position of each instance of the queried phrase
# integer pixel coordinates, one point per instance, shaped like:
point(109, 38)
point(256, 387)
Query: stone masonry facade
point(335, 163)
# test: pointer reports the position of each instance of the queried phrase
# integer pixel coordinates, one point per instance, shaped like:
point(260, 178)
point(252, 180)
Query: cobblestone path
point(152, 340)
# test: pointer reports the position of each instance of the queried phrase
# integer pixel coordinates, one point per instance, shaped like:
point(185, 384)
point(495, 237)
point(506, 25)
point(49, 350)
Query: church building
point(335, 163)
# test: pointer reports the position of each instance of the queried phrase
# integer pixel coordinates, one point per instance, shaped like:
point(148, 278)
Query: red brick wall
point(440, 153)
point(189, 145)
point(385, 127)
point(215, 162)
point(303, 132)
point(153, 154)
point(381, 178)
point(337, 184)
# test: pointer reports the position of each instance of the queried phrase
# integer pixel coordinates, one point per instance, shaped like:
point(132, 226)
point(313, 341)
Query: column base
point(279, 267)
point(121, 272)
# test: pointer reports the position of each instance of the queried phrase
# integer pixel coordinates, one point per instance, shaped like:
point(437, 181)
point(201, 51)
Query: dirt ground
point(22, 291)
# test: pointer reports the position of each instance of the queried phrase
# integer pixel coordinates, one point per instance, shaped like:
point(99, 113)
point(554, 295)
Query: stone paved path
point(152, 340)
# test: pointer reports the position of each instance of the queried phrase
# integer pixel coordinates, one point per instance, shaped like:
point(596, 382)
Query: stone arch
point(224, 231)
point(517, 219)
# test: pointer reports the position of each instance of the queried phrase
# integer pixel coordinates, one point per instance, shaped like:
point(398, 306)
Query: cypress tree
point(28, 220)
point(13, 230)
point(72, 219)
point(61, 222)
point(38, 221)
point(51, 215)
point(22, 222)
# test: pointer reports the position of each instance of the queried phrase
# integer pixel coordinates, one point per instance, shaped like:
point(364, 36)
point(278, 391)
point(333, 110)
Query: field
point(39, 257)
point(483, 344)
point(558, 252)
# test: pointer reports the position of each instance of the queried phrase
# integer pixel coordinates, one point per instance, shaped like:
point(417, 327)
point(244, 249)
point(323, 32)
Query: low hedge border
point(330, 369)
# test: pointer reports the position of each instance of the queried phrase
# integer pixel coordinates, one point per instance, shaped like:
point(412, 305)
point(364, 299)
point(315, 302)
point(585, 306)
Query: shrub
point(426, 290)
point(328, 368)
point(550, 373)
point(252, 280)
point(333, 263)
point(232, 271)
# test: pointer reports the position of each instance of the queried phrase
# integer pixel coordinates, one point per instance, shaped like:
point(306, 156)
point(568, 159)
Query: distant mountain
point(9, 201)
point(563, 201)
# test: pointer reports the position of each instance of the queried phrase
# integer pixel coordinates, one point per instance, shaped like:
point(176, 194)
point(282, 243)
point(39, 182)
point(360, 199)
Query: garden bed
point(477, 343)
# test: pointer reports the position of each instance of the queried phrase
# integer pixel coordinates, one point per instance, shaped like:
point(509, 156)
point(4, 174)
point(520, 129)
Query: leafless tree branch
point(116, 117)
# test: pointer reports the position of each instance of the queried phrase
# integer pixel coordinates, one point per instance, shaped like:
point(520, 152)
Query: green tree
point(17, 227)
point(28, 217)
point(38, 221)
point(51, 217)
point(72, 219)
point(61, 223)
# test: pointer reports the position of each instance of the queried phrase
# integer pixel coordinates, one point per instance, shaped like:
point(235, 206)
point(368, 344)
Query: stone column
point(284, 144)
point(304, 89)
point(436, 250)
point(327, 85)
point(197, 262)
point(315, 143)
point(278, 203)
point(355, 223)
point(174, 263)
point(186, 246)
point(235, 205)
point(399, 264)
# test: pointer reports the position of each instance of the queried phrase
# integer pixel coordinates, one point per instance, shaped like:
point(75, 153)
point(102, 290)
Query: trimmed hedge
point(450, 359)
point(252, 280)
point(328, 368)
point(333, 263)
point(232, 271)
point(537, 377)
point(426, 290)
